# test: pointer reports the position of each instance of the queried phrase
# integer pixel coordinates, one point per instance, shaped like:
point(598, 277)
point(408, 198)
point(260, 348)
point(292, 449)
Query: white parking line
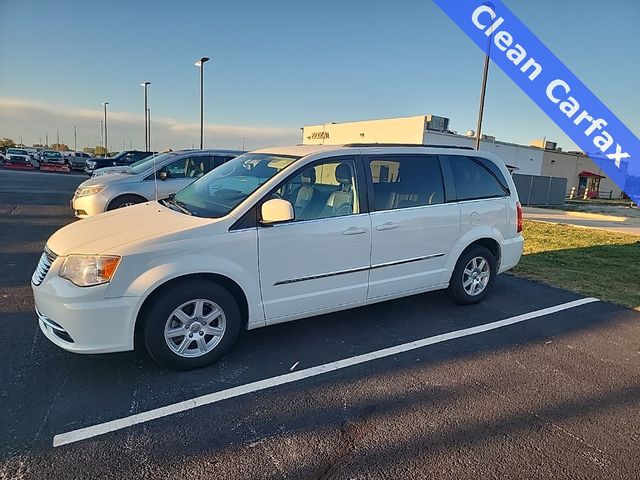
point(120, 423)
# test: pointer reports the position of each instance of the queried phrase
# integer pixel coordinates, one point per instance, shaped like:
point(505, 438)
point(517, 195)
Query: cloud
point(34, 120)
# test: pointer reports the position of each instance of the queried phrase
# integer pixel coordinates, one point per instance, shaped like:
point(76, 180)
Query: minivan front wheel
point(191, 325)
point(473, 275)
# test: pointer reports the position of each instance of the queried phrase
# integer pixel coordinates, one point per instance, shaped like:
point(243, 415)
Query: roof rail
point(406, 145)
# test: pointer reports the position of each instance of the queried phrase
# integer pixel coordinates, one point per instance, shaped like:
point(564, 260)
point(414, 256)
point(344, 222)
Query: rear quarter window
point(477, 178)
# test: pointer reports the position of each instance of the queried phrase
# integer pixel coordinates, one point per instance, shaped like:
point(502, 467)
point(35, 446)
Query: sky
point(279, 65)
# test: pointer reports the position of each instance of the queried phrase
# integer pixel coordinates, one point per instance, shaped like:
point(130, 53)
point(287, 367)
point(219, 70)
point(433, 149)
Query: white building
point(421, 129)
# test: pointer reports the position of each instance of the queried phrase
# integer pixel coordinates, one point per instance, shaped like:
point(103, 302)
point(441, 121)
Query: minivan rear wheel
point(473, 276)
point(191, 325)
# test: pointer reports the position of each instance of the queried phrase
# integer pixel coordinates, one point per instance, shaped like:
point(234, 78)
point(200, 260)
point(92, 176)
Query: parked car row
point(267, 237)
point(75, 160)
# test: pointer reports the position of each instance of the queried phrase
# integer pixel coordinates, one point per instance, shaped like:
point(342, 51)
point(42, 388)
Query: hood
point(106, 180)
point(105, 232)
point(109, 170)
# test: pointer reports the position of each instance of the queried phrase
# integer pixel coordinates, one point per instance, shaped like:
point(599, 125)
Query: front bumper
point(89, 205)
point(82, 320)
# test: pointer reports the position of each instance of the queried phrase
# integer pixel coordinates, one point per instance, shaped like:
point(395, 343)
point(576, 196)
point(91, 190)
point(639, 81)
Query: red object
point(519, 210)
point(586, 173)
point(54, 167)
point(18, 166)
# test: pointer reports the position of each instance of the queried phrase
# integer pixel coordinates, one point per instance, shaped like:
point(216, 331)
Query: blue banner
point(552, 86)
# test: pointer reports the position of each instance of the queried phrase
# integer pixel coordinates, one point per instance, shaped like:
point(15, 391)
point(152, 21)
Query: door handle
point(354, 231)
point(387, 226)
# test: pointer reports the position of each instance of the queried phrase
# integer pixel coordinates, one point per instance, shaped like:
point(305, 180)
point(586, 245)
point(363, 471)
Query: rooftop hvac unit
point(488, 138)
point(438, 124)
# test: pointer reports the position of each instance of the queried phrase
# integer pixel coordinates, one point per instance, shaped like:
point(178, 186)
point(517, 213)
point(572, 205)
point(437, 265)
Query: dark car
point(123, 158)
point(52, 156)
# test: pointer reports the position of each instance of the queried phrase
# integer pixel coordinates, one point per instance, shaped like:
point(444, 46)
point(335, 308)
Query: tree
point(94, 151)
point(60, 146)
point(7, 143)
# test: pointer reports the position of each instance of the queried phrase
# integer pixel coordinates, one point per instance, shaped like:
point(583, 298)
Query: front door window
point(323, 191)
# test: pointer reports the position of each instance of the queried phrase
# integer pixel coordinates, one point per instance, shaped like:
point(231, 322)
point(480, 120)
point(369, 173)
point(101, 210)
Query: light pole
point(145, 85)
point(75, 138)
point(200, 63)
point(106, 141)
point(102, 134)
point(483, 90)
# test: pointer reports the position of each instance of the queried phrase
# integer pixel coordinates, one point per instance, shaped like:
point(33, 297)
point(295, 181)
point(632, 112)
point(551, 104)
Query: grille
point(46, 260)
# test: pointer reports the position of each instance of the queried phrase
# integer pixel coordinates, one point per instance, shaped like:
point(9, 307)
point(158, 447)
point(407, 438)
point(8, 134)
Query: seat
point(192, 169)
point(340, 202)
point(305, 194)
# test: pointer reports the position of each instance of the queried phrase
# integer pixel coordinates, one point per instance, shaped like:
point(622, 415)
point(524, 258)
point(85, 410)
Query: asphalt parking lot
point(549, 396)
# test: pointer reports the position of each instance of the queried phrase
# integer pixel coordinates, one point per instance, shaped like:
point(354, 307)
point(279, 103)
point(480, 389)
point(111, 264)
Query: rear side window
point(477, 178)
point(406, 181)
point(220, 159)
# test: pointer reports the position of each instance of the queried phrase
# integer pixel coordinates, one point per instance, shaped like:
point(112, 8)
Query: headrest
point(343, 174)
point(308, 177)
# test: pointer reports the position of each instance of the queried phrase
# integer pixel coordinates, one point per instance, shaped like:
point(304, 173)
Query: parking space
point(553, 394)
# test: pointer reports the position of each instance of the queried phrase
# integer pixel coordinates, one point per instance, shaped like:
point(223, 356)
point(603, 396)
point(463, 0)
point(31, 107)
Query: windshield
point(16, 151)
point(52, 155)
point(224, 188)
point(146, 163)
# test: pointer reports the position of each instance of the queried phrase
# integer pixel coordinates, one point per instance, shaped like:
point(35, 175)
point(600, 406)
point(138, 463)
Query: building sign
point(319, 135)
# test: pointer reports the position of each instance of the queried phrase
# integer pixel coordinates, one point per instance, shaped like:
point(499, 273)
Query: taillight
point(519, 210)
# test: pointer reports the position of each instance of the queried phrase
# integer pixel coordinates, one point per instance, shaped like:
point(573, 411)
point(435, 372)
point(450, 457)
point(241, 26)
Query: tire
point(124, 201)
point(162, 326)
point(467, 289)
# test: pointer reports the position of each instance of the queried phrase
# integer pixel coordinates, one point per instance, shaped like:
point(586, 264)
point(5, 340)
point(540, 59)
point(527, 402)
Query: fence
point(540, 190)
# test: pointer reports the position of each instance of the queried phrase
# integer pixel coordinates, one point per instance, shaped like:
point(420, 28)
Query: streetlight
point(75, 138)
point(483, 90)
point(146, 121)
point(106, 142)
point(200, 63)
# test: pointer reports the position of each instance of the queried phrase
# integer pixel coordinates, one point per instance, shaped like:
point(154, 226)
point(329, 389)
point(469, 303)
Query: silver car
point(135, 184)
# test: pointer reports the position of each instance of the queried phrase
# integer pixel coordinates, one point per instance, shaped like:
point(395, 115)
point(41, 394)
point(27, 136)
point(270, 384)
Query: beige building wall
point(388, 130)
point(413, 130)
point(527, 159)
point(569, 165)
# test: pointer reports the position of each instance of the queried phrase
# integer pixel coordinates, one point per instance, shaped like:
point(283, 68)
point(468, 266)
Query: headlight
point(89, 270)
point(92, 190)
point(91, 164)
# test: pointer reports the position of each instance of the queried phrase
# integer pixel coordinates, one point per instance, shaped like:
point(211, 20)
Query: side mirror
point(276, 210)
point(163, 175)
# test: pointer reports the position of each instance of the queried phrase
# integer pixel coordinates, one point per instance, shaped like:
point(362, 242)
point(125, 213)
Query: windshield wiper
point(171, 202)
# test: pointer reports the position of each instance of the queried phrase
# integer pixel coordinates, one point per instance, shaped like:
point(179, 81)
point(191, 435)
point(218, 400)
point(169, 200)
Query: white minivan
point(275, 235)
